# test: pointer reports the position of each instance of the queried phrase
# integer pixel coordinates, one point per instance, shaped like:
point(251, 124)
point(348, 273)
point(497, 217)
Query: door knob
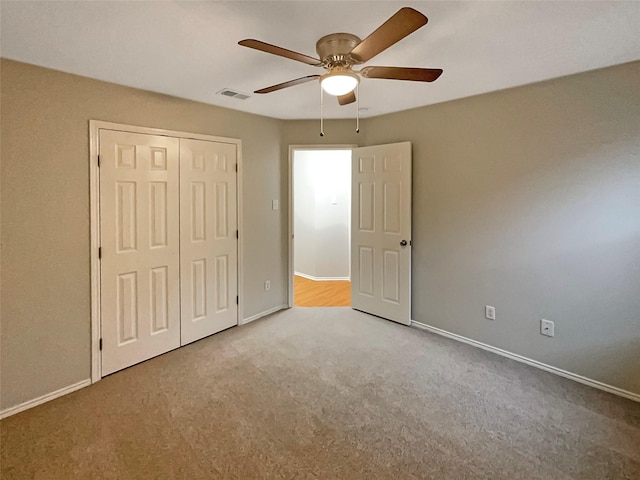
point(403, 243)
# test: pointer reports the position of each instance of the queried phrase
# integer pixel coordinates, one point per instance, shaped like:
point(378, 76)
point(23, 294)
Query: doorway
point(320, 226)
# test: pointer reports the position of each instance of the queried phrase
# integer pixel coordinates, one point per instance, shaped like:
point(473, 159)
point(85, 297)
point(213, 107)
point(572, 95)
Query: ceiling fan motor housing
point(334, 49)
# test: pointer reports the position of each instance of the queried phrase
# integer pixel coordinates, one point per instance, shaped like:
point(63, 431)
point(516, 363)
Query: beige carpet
point(327, 393)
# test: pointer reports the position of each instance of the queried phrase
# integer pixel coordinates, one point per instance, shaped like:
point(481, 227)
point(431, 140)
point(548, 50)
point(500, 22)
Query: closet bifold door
point(139, 235)
point(208, 243)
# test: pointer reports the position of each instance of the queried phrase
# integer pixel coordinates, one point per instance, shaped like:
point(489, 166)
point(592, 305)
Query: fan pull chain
point(321, 112)
point(358, 108)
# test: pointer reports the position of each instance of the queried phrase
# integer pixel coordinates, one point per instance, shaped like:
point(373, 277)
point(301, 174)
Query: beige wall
point(526, 199)
point(529, 200)
point(45, 297)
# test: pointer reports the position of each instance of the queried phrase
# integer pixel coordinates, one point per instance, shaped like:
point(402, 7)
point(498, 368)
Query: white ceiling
point(189, 48)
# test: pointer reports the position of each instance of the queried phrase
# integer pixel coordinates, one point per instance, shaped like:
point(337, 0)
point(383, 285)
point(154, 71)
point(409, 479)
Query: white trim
point(534, 363)
point(94, 213)
point(122, 127)
point(7, 412)
point(293, 148)
point(94, 196)
point(240, 227)
point(319, 279)
point(263, 314)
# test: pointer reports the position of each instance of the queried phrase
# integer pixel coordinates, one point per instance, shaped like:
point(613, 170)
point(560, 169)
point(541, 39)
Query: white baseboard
point(320, 279)
point(7, 412)
point(534, 363)
point(263, 314)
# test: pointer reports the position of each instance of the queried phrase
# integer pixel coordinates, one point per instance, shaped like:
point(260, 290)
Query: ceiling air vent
point(227, 92)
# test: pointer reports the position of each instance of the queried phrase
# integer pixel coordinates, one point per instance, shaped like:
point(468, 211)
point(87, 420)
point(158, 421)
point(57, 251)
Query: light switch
point(275, 205)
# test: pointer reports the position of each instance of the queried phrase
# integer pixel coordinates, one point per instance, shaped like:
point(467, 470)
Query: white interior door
point(208, 242)
point(381, 231)
point(140, 307)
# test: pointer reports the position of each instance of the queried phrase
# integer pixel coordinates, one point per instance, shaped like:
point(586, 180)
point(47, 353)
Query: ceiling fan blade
point(402, 73)
point(283, 52)
point(290, 83)
point(404, 22)
point(347, 98)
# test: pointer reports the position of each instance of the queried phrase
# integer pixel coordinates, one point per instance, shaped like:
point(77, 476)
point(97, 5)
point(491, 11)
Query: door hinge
point(237, 234)
point(236, 167)
point(237, 300)
point(98, 161)
point(100, 344)
point(100, 252)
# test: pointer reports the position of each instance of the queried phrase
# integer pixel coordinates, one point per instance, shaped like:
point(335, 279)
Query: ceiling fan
point(340, 52)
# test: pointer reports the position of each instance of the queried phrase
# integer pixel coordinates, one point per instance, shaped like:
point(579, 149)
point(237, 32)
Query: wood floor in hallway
point(326, 293)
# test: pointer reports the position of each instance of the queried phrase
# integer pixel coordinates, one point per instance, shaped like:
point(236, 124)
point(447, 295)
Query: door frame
point(94, 210)
point(292, 150)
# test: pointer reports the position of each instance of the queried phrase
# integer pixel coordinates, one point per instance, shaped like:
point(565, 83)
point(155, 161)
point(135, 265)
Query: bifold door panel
point(168, 243)
point(140, 243)
point(208, 246)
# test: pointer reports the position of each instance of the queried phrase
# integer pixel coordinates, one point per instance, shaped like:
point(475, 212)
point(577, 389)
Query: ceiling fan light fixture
point(339, 81)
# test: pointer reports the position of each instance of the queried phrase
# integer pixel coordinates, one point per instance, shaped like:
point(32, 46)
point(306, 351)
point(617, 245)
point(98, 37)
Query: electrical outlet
point(547, 327)
point(267, 285)
point(275, 205)
point(490, 312)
